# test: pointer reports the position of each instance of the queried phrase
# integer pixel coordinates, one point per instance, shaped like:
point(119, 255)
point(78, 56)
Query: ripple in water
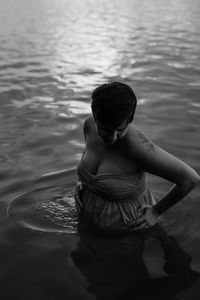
point(47, 209)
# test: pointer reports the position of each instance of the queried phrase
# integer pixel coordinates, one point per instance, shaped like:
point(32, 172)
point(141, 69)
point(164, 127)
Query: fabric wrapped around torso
point(111, 201)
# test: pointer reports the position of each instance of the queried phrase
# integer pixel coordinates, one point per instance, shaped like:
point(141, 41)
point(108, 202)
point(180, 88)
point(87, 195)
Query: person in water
point(112, 192)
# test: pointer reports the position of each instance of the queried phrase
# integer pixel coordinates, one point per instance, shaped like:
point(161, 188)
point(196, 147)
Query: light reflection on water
point(53, 53)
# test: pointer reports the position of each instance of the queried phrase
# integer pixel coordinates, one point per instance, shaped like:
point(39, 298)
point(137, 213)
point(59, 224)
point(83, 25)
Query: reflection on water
point(53, 53)
point(115, 268)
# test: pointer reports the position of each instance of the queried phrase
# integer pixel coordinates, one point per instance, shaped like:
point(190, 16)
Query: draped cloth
point(111, 201)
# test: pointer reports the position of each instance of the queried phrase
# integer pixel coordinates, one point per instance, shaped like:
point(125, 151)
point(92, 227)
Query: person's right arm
point(87, 125)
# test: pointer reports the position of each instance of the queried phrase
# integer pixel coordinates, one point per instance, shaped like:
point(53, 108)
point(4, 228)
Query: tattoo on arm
point(146, 142)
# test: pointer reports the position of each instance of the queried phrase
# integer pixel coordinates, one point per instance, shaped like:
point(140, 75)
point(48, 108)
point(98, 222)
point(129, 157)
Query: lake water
point(52, 55)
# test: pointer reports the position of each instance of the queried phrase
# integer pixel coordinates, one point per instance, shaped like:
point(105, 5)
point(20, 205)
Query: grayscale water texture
point(53, 53)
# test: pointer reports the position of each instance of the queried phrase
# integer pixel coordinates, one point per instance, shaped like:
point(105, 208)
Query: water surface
point(52, 55)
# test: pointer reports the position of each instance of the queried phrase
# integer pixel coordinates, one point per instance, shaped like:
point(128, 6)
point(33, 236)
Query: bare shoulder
point(143, 148)
point(155, 160)
point(139, 140)
point(88, 125)
point(89, 121)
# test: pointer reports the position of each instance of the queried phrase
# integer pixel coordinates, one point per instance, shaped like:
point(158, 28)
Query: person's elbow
point(192, 181)
point(196, 180)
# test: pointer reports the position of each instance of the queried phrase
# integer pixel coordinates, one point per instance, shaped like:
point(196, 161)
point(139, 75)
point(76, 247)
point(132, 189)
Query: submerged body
point(113, 196)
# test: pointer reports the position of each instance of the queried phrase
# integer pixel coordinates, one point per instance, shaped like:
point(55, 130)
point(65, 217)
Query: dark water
point(52, 54)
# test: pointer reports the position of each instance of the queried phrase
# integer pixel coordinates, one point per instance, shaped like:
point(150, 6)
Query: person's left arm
point(157, 161)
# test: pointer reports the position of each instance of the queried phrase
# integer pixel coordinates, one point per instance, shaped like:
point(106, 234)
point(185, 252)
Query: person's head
point(113, 107)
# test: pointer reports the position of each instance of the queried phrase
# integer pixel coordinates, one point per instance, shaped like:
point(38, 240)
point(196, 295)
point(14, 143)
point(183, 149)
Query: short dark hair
point(113, 102)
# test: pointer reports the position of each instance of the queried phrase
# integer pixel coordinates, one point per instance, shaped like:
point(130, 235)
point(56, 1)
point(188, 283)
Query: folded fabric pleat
point(111, 201)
